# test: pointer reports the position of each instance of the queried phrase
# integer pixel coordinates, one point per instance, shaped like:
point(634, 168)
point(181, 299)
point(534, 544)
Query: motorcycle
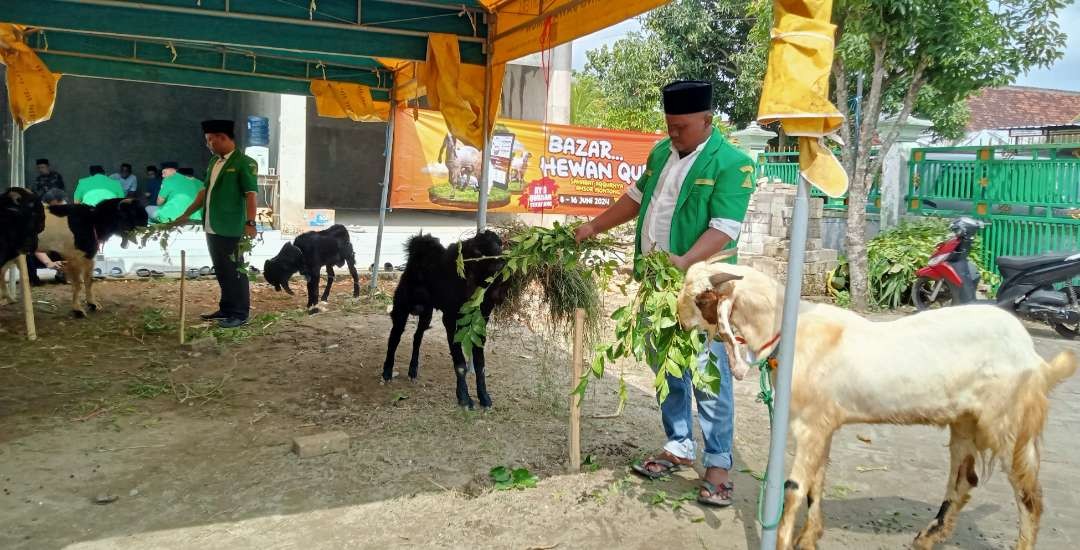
point(1027, 288)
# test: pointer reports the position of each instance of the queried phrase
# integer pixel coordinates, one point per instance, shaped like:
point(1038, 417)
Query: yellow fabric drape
point(31, 86)
point(522, 25)
point(347, 100)
point(796, 88)
point(457, 90)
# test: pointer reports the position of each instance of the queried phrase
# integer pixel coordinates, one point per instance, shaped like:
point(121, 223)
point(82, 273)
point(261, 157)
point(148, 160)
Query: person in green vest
point(97, 187)
point(229, 201)
point(177, 193)
point(690, 203)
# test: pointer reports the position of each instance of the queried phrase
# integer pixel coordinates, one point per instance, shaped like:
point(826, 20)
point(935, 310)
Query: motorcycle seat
point(1019, 263)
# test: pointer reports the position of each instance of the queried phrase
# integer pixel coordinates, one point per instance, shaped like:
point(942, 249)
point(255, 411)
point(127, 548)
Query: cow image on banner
point(553, 169)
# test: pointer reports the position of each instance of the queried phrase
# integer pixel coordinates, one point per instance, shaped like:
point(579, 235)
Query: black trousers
point(235, 288)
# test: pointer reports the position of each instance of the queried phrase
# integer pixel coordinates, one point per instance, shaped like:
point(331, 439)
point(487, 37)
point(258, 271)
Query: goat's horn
point(722, 255)
point(721, 278)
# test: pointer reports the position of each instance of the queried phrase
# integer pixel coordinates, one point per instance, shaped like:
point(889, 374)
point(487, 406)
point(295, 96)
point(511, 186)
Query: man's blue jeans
point(716, 414)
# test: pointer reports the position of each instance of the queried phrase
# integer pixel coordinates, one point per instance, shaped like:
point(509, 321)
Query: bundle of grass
point(546, 269)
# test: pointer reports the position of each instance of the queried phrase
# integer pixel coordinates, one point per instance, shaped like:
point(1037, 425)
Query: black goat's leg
point(458, 357)
point(351, 261)
point(399, 316)
point(329, 282)
point(313, 292)
point(418, 337)
point(478, 362)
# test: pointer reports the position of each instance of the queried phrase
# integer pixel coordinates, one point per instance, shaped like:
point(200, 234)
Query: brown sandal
point(719, 496)
point(667, 462)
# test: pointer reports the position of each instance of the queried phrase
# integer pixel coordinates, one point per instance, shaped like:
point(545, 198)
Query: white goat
point(972, 368)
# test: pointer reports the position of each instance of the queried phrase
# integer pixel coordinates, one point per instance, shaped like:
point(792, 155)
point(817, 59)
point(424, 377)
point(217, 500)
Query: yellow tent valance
point(525, 27)
point(347, 100)
point(31, 86)
point(796, 88)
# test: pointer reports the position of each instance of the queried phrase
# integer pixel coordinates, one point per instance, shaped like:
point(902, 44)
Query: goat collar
point(772, 342)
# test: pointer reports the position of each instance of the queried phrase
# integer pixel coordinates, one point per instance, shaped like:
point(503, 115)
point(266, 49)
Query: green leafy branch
point(647, 329)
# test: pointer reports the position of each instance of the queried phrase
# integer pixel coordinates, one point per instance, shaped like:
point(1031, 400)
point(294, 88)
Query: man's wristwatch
point(250, 223)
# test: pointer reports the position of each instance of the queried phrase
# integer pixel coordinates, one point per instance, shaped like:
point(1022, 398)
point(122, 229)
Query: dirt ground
point(194, 443)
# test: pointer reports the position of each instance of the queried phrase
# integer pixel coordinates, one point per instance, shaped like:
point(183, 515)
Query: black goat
point(307, 254)
point(430, 281)
point(76, 231)
point(22, 217)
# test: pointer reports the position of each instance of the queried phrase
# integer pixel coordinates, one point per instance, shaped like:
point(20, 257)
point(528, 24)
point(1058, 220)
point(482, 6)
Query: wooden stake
point(183, 284)
point(575, 399)
point(28, 300)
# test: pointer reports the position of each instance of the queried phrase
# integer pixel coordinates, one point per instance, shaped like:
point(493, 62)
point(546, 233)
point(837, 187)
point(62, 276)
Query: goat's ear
point(718, 279)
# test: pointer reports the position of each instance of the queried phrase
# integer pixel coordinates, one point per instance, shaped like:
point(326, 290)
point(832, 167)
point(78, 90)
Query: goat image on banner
point(591, 168)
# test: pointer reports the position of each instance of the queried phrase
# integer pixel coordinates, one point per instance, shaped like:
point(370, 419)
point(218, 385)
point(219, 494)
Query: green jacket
point(179, 191)
point(225, 208)
point(94, 189)
point(718, 185)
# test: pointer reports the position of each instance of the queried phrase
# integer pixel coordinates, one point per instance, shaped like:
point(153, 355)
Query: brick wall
point(766, 237)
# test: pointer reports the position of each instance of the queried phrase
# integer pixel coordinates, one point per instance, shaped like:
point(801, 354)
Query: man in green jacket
point(176, 194)
point(97, 187)
point(229, 214)
point(690, 203)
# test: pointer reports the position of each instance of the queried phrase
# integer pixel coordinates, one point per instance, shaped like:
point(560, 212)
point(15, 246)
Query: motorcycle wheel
point(923, 297)
point(1067, 331)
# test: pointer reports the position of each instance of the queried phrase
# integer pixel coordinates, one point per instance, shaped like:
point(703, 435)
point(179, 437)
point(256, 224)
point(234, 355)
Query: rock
point(308, 446)
point(340, 392)
point(105, 499)
point(133, 493)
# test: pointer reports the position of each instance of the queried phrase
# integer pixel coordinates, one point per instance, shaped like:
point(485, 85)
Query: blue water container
point(258, 131)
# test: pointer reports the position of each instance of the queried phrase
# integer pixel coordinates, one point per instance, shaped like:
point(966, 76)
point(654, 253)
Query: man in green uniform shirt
point(229, 200)
point(97, 187)
point(176, 195)
point(690, 203)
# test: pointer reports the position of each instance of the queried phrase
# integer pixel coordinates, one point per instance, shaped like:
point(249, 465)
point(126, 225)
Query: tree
point(686, 39)
point(931, 55)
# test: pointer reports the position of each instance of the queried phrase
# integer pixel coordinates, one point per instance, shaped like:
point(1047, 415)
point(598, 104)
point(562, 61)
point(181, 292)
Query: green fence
point(1030, 194)
point(785, 167)
point(1025, 180)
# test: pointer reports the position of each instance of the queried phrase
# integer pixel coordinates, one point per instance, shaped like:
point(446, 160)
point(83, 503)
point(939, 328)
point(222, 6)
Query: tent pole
point(774, 475)
point(485, 167)
point(389, 152)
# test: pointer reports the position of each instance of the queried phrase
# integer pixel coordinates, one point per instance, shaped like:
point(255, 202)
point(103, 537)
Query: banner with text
point(535, 167)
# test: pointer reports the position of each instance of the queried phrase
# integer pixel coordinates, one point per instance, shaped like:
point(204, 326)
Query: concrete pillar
point(558, 97)
point(753, 139)
point(894, 171)
point(292, 162)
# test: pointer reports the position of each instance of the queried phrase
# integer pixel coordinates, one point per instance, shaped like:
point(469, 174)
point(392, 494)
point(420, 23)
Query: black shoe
point(215, 316)
point(232, 322)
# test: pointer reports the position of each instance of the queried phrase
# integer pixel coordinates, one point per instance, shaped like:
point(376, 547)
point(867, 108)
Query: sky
point(1064, 75)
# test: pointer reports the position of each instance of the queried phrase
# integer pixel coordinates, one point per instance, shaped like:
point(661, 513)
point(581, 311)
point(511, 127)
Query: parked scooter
point(1027, 287)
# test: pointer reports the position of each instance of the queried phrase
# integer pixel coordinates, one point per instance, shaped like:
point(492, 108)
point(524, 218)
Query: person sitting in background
point(47, 178)
point(178, 191)
point(127, 180)
point(47, 260)
point(97, 187)
point(153, 185)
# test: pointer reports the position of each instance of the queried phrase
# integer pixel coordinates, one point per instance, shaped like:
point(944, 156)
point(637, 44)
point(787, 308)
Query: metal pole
point(389, 152)
point(774, 475)
point(485, 171)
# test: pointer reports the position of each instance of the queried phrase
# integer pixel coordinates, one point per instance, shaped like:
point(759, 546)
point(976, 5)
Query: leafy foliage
point(690, 39)
point(895, 256)
point(506, 479)
point(569, 275)
point(648, 330)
